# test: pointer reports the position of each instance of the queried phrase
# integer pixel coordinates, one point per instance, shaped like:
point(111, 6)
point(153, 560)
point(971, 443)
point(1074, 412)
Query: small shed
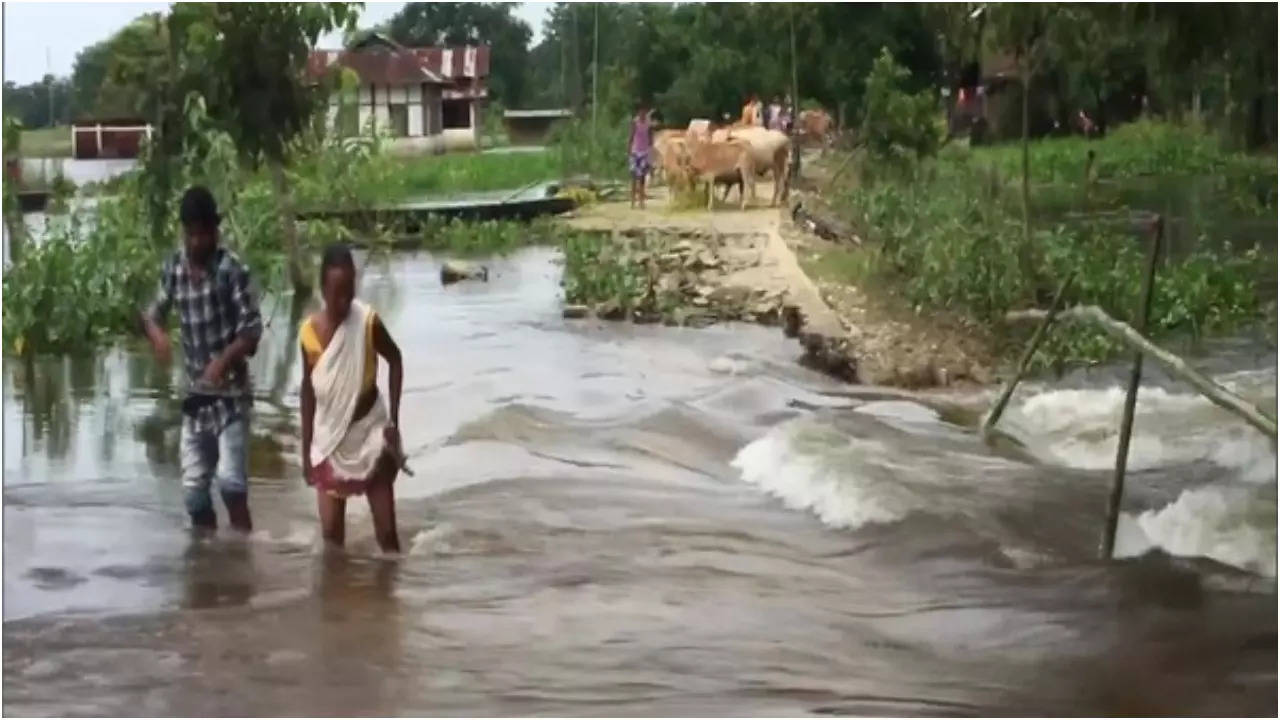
point(108, 138)
point(532, 127)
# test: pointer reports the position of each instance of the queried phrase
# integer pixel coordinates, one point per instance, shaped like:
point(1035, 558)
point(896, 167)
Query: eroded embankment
point(696, 268)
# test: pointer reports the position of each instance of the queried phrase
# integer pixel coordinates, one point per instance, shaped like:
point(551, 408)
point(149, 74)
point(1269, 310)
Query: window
point(457, 114)
point(399, 118)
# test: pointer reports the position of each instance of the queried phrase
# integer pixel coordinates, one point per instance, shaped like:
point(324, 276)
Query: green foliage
point(30, 103)
point(661, 53)
point(83, 283)
point(105, 260)
point(950, 239)
point(899, 127)
point(490, 237)
point(598, 270)
point(1142, 148)
point(251, 57)
point(474, 172)
point(600, 153)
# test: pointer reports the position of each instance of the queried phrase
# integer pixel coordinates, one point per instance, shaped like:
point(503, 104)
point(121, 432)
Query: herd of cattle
point(732, 155)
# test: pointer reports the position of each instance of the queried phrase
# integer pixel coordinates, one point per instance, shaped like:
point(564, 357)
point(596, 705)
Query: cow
point(662, 143)
point(770, 152)
point(699, 130)
point(720, 163)
point(814, 125)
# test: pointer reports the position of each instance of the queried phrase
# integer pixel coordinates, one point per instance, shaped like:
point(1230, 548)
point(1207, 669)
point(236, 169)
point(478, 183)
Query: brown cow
point(770, 152)
point(699, 130)
point(719, 163)
point(675, 161)
point(662, 142)
point(814, 125)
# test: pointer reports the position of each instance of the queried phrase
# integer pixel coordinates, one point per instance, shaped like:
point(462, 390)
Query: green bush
point(599, 153)
point(899, 127)
point(949, 237)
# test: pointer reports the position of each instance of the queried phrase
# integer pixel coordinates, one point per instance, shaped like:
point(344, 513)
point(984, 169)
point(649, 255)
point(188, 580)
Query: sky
point(41, 37)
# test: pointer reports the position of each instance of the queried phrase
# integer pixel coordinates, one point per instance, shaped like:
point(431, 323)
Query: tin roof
point(392, 64)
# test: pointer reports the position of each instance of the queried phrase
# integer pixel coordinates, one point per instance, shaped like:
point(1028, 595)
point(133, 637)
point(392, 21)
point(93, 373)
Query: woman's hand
point(391, 434)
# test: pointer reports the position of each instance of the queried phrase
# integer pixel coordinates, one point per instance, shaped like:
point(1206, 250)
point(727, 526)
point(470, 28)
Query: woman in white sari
point(350, 441)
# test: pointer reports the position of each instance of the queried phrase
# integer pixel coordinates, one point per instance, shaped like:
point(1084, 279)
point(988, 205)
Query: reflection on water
point(601, 524)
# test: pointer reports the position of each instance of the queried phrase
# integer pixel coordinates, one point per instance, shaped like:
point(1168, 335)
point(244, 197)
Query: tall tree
point(252, 59)
point(464, 23)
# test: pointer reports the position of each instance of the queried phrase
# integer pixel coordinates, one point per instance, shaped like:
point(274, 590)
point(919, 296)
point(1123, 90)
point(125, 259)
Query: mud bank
point(696, 268)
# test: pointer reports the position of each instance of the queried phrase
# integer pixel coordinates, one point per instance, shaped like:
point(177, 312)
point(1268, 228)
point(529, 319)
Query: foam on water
point(1233, 525)
point(1080, 429)
point(809, 466)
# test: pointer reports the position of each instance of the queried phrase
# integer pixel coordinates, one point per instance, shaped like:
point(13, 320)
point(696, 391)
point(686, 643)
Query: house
point(108, 138)
point(429, 99)
point(532, 127)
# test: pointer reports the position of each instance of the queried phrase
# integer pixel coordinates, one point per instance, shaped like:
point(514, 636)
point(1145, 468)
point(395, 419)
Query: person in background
point(774, 115)
point(220, 328)
point(350, 439)
point(639, 147)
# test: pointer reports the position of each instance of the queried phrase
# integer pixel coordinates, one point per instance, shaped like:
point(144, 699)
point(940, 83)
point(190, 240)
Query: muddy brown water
point(620, 520)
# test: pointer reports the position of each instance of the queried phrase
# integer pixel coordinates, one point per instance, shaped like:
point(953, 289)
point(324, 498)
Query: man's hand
point(214, 371)
point(160, 347)
point(306, 467)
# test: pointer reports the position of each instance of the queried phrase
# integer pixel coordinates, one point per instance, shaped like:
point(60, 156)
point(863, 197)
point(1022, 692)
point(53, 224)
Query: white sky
point(41, 37)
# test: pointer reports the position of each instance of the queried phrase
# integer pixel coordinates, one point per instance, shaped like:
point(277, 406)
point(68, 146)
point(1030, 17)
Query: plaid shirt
point(213, 313)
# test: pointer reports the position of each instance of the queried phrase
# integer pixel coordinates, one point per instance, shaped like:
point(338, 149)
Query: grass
point(1143, 148)
point(473, 172)
point(47, 142)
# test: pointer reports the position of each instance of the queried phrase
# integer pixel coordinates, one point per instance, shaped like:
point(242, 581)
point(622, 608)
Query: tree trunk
point(1176, 366)
point(289, 230)
point(15, 225)
point(1026, 158)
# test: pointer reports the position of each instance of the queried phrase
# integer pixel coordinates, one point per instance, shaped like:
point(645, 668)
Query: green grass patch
point(46, 142)
point(1143, 148)
point(473, 172)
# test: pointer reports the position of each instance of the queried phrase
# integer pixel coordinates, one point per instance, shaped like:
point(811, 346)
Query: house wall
point(424, 117)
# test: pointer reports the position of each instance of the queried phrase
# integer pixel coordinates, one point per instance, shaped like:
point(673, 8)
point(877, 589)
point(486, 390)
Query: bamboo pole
point(1041, 332)
point(1131, 399)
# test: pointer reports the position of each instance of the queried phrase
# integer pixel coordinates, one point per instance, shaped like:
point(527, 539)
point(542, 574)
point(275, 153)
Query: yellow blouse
point(313, 349)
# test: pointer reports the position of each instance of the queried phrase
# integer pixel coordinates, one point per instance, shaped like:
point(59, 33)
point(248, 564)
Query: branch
point(1215, 393)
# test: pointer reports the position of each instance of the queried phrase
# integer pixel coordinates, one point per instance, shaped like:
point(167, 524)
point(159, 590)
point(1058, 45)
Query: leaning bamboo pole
point(997, 410)
point(1214, 392)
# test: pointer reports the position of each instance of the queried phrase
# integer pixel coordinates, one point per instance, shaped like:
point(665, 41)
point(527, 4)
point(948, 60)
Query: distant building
point(108, 138)
point(532, 127)
point(428, 99)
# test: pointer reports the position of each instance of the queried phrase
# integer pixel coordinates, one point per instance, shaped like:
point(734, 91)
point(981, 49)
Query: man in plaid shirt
point(221, 326)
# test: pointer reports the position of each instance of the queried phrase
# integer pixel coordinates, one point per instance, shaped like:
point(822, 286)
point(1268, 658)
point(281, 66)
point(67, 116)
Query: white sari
point(352, 448)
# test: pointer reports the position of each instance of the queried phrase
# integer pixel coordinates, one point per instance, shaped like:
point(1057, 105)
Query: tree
point(465, 23)
point(16, 226)
point(31, 103)
point(1023, 30)
point(251, 60)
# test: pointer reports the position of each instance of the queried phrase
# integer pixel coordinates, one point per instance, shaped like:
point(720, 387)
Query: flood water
point(615, 519)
